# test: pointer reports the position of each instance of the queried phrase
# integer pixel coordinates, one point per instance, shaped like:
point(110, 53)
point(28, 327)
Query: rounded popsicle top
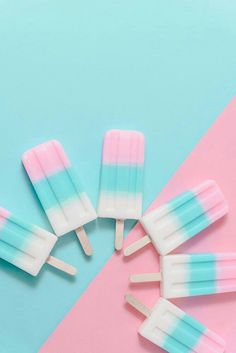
point(45, 159)
point(211, 199)
point(123, 147)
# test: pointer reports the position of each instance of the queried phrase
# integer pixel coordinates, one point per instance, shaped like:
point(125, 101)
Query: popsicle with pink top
point(173, 330)
point(27, 246)
point(182, 218)
point(185, 275)
point(57, 186)
point(121, 186)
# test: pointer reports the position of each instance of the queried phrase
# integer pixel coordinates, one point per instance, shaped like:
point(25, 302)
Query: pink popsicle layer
point(123, 147)
point(212, 200)
point(213, 341)
point(108, 325)
point(44, 160)
point(4, 215)
point(226, 272)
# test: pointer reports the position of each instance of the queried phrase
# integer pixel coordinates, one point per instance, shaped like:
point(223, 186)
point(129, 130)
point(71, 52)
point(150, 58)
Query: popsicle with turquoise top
point(185, 275)
point(27, 246)
point(182, 218)
point(121, 186)
point(175, 331)
point(58, 188)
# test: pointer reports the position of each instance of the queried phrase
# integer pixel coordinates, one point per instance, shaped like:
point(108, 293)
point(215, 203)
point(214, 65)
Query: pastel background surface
point(72, 70)
point(101, 317)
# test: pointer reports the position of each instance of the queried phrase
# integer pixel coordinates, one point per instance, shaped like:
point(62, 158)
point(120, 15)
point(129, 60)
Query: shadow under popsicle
point(69, 238)
point(29, 280)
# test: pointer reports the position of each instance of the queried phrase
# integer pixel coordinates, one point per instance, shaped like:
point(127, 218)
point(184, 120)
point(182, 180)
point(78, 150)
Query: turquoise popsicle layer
point(14, 236)
point(58, 188)
point(184, 336)
point(189, 213)
point(202, 268)
point(122, 178)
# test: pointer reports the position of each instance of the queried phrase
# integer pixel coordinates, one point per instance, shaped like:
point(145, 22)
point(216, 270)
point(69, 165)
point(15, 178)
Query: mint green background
point(72, 69)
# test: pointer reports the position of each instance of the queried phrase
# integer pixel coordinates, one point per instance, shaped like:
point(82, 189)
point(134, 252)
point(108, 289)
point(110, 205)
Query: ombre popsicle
point(182, 218)
point(185, 275)
point(65, 202)
point(27, 246)
point(173, 330)
point(121, 186)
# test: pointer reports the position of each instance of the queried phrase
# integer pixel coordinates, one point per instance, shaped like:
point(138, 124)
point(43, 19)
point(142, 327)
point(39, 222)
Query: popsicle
point(65, 202)
point(121, 186)
point(182, 218)
point(27, 246)
point(173, 330)
point(193, 274)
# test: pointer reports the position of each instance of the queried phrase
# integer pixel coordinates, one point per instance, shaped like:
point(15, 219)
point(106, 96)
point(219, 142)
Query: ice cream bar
point(64, 200)
point(27, 246)
point(182, 218)
point(173, 330)
point(121, 186)
point(193, 274)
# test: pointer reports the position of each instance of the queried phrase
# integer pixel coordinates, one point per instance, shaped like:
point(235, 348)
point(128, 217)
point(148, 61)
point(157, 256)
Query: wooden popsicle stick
point(84, 241)
point(136, 304)
point(61, 265)
point(137, 245)
point(119, 234)
point(146, 277)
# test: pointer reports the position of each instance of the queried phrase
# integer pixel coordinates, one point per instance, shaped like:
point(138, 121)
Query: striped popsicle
point(185, 275)
point(64, 200)
point(182, 218)
point(121, 186)
point(173, 330)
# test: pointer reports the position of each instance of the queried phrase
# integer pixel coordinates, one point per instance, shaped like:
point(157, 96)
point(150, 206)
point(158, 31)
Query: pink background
point(101, 322)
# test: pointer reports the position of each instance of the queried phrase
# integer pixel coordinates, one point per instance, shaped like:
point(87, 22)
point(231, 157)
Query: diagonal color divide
point(101, 322)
